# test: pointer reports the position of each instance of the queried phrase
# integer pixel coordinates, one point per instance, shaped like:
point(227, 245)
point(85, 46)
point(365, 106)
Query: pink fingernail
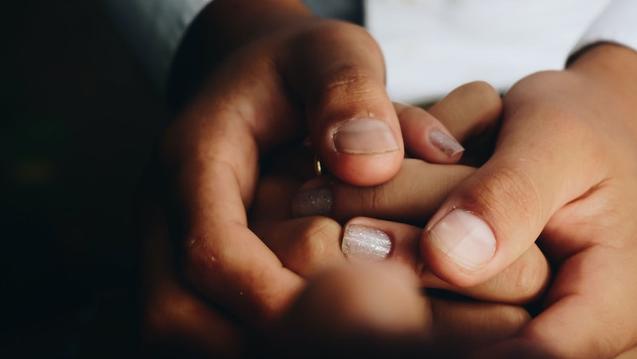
point(366, 243)
point(364, 136)
point(465, 238)
point(445, 143)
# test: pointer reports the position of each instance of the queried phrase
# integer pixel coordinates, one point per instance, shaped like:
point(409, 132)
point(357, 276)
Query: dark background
point(78, 119)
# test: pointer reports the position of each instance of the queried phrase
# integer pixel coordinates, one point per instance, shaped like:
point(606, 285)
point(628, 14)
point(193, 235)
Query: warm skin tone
point(278, 74)
point(244, 109)
point(564, 167)
point(310, 246)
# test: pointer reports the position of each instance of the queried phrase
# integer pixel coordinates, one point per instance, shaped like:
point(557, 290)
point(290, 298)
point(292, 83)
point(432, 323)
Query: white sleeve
point(617, 24)
point(154, 29)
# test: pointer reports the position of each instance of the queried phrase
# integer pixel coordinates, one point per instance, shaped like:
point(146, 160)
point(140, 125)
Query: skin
point(241, 108)
point(179, 318)
point(563, 167)
point(271, 83)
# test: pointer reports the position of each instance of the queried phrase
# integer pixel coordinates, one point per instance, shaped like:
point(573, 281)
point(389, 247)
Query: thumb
point(495, 214)
point(338, 70)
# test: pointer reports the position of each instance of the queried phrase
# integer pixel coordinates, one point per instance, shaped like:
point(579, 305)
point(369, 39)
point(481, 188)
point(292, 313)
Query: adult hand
point(178, 316)
point(564, 167)
point(269, 71)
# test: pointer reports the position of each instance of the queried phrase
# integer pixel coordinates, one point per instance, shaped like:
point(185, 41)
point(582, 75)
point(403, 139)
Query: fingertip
point(458, 246)
point(442, 141)
point(365, 170)
point(426, 137)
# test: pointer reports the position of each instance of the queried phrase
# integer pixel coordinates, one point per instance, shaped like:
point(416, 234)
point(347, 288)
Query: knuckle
point(528, 279)
point(516, 317)
point(372, 199)
point(525, 280)
point(318, 241)
point(346, 83)
point(507, 195)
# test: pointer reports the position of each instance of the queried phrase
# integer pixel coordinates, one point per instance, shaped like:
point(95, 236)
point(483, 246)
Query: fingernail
point(312, 202)
point(465, 238)
point(364, 136)
point(367, 243)
point(445, 143)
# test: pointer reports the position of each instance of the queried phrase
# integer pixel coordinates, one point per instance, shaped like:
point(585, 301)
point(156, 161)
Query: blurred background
point(78, 120)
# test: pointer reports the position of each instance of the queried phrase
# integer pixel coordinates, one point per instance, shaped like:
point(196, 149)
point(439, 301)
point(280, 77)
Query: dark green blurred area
point(78, 119)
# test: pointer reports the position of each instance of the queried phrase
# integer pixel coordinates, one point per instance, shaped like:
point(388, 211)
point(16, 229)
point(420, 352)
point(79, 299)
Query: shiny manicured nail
point(364, 136)
point(367, 243)
point(465, 238)
point(312, 202)
point(445, 143)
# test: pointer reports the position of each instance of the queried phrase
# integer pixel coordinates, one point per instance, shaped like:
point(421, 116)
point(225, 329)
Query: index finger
point(212, 154)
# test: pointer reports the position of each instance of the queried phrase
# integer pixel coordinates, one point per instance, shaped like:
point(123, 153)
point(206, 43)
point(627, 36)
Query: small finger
point(469, 109)
point(307, 246)
point(411, 196)
point(460, 327)
point(435, 135)
point(372, 239)
point(425, 137)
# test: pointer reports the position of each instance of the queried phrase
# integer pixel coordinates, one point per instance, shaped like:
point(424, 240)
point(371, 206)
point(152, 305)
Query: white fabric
point(154, 29)
point(432, 46)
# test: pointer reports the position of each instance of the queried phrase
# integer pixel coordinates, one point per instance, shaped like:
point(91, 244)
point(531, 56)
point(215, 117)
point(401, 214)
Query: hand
point(311, 245)
point(266, 75)
point(377, 310)
point(177, 315)
point(564, 168)
point(336, 307)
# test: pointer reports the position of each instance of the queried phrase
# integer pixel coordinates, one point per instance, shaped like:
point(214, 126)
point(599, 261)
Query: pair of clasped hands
point(244, 244)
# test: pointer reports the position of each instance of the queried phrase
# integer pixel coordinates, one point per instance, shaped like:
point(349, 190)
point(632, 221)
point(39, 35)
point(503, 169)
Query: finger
point(175, 320)
point(178, 322)
point(373, 239)
point(311, 245)
point(494, 215)
point(425, 137)
point(212, 154)
point(411, 196)
point(586, 314)
point(375, 309)
point(461, 327)
point(364, 309)
point(467, 110)
point(632, 353)
point(337, 70)
point(307, 246)
point(272, 199)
